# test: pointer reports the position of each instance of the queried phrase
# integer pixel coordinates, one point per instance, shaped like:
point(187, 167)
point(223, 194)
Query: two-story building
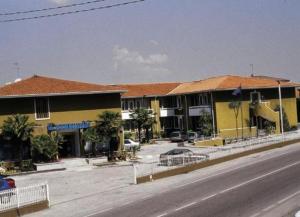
point(151, 96)
point(67, 107)
point(178, 106)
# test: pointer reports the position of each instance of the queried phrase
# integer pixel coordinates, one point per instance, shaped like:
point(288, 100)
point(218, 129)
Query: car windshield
point(192, 134)
point(175, 134)
point(127, 142)
point(177, 151)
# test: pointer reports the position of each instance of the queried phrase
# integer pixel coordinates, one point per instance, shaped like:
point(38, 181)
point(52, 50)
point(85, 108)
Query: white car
point(129, 144)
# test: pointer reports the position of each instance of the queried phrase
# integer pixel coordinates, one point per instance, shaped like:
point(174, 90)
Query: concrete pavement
point(98, 198)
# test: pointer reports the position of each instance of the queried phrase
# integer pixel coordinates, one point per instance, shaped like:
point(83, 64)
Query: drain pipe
point(213, 114)
point(186, 114)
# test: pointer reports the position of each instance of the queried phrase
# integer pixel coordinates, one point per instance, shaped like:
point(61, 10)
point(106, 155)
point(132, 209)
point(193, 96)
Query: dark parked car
point(178, 136)
point(180, 157)
point(192, 136)
point(6, 184)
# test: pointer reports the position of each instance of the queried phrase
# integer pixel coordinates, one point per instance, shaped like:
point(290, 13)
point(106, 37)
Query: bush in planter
point(128, 135)
point(44, 148)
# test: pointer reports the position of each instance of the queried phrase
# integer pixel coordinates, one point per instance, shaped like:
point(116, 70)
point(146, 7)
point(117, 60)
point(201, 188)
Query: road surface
point(258, 189)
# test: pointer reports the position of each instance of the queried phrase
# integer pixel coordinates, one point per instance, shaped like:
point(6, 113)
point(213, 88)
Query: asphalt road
point(254, 190)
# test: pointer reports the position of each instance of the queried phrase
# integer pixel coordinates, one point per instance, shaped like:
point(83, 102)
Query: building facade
point(67, 107)
point(180, 106)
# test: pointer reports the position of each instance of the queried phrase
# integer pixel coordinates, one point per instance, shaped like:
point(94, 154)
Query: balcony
point(167, 112)
point(196, 110)
point(126, 115)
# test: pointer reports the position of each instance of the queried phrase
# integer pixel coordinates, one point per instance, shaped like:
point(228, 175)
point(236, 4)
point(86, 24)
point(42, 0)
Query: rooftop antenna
point(252, 71)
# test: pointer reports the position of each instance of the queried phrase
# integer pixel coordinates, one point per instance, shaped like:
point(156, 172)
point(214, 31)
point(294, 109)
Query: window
point(42, 110)
point(255, 97)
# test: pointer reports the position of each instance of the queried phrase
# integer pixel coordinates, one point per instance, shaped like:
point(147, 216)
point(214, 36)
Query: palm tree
point(18, 130)
point(143, 119)
point(107, 127)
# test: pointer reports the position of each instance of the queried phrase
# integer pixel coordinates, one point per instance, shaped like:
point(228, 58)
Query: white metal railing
point(167, 163)
point(196, 110)
point(157, 164)
point(167, 112)
point(20, 197)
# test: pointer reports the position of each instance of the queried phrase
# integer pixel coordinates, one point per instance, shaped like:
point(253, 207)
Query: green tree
point(143, 119)
point(45, 147)
point(205, 123)
point(107, 127)
point(18, 130)
point(91, 136)
point(286, 123)
point(235, 106)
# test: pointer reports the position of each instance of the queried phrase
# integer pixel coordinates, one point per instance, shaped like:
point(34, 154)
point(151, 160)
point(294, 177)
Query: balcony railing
point(126, 114)
point(196, 110)
point(169, 112)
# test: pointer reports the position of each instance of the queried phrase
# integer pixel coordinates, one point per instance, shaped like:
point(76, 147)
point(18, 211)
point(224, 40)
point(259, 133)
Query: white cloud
point(60, 2)
point(153, 42)
point(134, 63)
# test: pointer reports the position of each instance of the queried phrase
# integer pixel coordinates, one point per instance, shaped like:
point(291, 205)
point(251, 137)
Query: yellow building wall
point(225, 117)
point(290, 108)
point(154, 103)
point(226, 120)
point(68, 109)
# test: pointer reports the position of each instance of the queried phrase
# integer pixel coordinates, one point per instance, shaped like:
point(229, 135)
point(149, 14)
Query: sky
point(151, 41)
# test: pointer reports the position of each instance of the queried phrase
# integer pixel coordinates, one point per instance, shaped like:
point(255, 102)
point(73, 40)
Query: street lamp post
point(280, 105)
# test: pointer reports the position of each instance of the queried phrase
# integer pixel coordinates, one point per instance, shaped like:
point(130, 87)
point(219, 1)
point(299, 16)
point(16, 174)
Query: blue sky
point(156, 40)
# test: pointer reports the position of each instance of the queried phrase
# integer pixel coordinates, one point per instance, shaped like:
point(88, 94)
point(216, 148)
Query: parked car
point(192, 137)
point(178, 136)
point(6, 184)
point(130, 144)
point(180, 157)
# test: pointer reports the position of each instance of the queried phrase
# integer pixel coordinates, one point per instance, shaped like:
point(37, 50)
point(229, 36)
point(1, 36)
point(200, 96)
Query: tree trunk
point(139, 131)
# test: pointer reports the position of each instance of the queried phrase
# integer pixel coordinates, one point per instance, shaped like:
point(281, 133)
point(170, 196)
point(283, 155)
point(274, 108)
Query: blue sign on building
point(70, 126)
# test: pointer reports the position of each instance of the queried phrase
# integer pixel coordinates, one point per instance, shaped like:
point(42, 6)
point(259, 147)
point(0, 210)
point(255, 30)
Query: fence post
point(134, 174)
point(18, 199)
point(48, 194)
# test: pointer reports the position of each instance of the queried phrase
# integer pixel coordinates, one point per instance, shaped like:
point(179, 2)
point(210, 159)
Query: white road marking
point(161, 215)
point(268, 208)
point(185, 206)
point(245, 183)
point(260, 177)
point(208, 197)
point(227, 171)
point(289, 197)
point(96, 213)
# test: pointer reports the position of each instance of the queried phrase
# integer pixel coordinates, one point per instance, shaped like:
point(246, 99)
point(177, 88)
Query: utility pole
point(252, 69)
point(280, 105)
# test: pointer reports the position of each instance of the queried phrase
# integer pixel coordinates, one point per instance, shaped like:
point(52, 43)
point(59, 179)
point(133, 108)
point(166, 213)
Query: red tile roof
point(41, 86)
point(229, 82)
point(150, 89)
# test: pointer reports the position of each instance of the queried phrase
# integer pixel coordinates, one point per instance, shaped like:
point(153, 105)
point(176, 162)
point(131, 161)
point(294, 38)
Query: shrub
point(44, 148)
point(128, 135)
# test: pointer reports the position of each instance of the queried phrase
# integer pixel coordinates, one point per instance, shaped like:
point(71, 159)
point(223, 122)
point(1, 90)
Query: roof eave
point(61, 94)
point(226, 89)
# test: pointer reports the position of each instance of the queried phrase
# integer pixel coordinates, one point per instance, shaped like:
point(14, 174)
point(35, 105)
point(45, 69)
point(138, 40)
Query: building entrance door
point(70, 146)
